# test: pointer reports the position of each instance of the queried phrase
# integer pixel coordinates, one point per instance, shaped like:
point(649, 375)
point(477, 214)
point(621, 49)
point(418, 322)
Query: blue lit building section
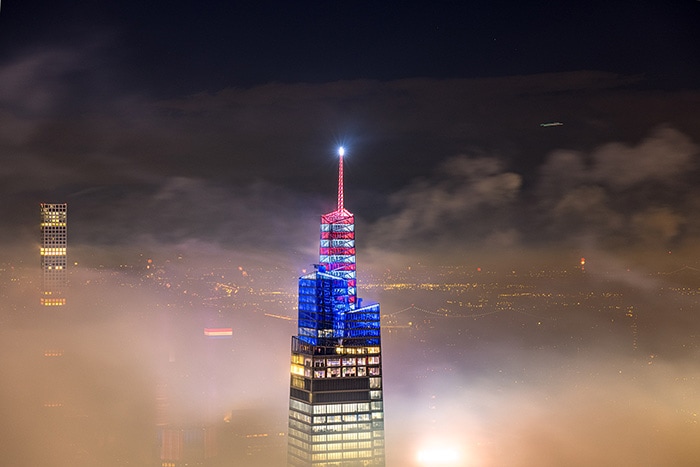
point(336, 408)
point(326, 317)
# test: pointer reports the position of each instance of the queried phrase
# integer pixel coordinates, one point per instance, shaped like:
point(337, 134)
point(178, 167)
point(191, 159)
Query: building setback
point(336, 411)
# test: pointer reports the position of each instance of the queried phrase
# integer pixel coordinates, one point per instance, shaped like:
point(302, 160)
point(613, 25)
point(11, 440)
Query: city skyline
point(490, 147)
point(481, 344)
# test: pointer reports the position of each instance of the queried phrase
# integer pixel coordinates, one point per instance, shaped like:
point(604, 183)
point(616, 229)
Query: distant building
point(187, 446)
point(336, 412)
point(54, 243)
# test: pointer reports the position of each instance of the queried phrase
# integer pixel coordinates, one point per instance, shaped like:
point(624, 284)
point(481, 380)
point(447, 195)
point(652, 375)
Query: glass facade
point(54, 259)
point(336, 408)
point(337, 251)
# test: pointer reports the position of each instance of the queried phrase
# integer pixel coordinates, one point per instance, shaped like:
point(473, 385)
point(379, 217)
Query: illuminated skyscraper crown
point(337, 249)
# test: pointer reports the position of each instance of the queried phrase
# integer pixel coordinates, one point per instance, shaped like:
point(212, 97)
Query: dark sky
point(218, 121)
point(171, 48)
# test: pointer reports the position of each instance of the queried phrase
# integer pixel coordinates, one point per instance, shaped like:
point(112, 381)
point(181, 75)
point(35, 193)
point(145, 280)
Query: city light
point(341, 151)
point(218, 332)
point(438, 455)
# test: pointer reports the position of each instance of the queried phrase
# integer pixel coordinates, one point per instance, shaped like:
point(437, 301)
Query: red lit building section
point(337, 250)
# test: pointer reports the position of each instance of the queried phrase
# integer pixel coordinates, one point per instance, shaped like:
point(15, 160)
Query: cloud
point(657, 224)
point(587, 208)
point(461, 191)
point(430, 162)
point(616, 195)
point(621, 193)
point(33, 84)
point(663, 157)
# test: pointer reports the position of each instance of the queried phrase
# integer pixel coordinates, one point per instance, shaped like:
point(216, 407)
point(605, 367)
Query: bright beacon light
point(341, 151)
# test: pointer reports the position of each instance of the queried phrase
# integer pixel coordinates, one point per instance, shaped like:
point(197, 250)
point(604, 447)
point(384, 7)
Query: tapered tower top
point(341, 153)
point(340, 212)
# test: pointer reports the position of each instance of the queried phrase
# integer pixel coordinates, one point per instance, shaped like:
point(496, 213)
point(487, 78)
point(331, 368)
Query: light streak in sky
point(286, 318)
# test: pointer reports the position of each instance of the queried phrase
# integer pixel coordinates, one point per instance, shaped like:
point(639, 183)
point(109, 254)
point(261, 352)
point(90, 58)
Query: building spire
point(341, 153)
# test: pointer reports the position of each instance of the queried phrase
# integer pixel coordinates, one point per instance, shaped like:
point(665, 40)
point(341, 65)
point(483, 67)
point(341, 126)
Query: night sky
point(191, 120)
point(508, 136)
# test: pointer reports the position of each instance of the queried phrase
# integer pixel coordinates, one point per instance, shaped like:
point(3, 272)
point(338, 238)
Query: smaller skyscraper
point(54, 259)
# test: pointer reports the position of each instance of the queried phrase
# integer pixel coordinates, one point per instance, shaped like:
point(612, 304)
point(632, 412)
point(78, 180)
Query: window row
point(337, 227)
point(353, 445)
point(345, 361)
point(349, 408)
point(294, 432)
point(345, 372)
point(342, 437)
point(298, 443)
point(340, 427)
point(377, 426)
point(357, 350)
point(297, 452)
point(300, 416)
point(332, 456)
point(341, 408)
point(363, 417)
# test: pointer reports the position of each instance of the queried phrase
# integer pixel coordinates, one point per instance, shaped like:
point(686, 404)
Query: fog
point(538, 365)
point(499, 346)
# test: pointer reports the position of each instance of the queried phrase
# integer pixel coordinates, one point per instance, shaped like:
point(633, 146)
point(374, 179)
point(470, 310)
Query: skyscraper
point(54, 242)
point(336, 411)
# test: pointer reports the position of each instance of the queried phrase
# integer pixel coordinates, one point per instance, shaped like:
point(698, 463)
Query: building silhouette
point(54, 243)
point(53, 286)
point(336, 412)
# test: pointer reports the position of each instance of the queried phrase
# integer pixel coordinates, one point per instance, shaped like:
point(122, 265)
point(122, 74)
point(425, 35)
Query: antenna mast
point(341, 153)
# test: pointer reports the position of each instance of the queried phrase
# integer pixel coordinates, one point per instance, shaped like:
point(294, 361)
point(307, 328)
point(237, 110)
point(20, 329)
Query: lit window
point(351, 408)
